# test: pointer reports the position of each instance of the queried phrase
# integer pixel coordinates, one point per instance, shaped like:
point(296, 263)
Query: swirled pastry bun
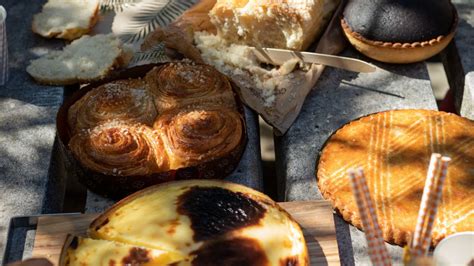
point(193, 136)
point(125, 100)
point(207, 222)
point(399, 31)
point(180, 84)
point(120, 149)
point(287, 24)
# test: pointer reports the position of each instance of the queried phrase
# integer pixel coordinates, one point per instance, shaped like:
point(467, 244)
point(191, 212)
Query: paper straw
point(3, 47)
point(434, 200)
point(380, 246)
point(433, 167)
point(377, 251)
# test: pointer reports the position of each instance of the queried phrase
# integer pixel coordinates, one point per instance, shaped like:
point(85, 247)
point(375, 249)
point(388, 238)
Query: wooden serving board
point(314, 217)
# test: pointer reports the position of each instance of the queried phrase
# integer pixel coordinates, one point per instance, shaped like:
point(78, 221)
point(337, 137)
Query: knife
point(280, 56)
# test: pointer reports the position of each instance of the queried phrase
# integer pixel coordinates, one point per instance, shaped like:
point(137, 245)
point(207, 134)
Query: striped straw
point(433, 204)
point(377, 251)
point(437, 172)
point(433, 167)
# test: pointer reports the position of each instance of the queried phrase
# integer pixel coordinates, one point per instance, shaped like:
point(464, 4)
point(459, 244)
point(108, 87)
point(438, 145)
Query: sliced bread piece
point(87, 59)
point(66, 19)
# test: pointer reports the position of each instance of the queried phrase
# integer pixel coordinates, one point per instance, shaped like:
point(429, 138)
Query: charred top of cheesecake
point(404, 21)
point(215, 211)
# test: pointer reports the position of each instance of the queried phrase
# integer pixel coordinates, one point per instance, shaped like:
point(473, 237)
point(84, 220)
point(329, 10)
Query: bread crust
point(399, 53)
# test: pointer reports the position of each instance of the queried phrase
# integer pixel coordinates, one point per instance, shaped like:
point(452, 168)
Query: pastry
point(120, 149)
point(401, 31)
point(118, 141)
point(66, 19)
point(288, 24)
point(178, 84)
point(394, 149)
point(206, 222)
point(196, 135)
point(126, 100)
point(84, 60)
point(83, 251)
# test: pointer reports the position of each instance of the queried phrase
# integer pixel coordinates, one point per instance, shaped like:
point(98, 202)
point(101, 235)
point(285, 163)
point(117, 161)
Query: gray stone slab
point(465, 46)
point(248, 172)
point(339, 97)
point(27, 122)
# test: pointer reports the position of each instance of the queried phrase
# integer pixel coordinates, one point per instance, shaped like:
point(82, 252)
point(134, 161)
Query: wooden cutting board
point(314, 217)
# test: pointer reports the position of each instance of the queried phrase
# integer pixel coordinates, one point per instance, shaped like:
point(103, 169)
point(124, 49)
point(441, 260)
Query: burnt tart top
point(404, 21)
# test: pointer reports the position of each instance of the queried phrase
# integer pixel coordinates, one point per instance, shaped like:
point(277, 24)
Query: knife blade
point(280, 56)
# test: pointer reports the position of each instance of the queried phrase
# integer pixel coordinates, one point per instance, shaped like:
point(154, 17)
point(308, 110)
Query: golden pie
point(194, 222)
point(394, 149)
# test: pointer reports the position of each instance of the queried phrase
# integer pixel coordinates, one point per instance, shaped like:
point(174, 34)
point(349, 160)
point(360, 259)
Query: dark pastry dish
point(400, 31)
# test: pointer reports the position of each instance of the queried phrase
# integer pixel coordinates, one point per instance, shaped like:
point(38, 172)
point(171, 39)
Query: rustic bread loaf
point(287, 24)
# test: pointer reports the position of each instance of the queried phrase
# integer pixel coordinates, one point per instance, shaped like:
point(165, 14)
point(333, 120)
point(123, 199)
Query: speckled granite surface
point(27, 122)
point(464, 42)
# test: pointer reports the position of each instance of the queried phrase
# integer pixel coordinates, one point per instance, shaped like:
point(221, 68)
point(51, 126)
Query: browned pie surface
point(394, 148)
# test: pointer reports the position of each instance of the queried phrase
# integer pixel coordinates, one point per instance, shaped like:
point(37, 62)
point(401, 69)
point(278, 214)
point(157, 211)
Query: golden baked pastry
point(108, 137)
point(193, 136)
point(178, 85)
point(399, 31)
point(394, 149)
point(124, 100)
point(83, 251)
point(120, 149)
point(206, 222)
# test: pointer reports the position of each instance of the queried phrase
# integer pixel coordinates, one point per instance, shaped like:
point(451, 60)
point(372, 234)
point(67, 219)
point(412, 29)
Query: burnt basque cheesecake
point(194, 222)
point(399, 31)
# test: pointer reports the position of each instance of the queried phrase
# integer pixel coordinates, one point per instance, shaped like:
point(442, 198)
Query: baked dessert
point(87, 59)
point(288, 24)
point(84, 251)
point(206, 222)
point(179, 85)
point(118, 141)
point(120, 149)
point(195, 135)
point(66, 19)
point(125, 100)
point(401, 31)
point(394, 149)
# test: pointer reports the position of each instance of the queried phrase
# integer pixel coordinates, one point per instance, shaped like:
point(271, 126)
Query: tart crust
point(396, 52)
point(394, 148)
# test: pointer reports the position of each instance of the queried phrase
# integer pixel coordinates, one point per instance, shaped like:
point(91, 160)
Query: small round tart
point(205, 222)
point(394, 149)
point(399, 31)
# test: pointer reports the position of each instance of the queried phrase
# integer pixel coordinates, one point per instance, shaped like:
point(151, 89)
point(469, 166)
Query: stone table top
point(27, 122)
point(464, 42)
point(340, 97)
